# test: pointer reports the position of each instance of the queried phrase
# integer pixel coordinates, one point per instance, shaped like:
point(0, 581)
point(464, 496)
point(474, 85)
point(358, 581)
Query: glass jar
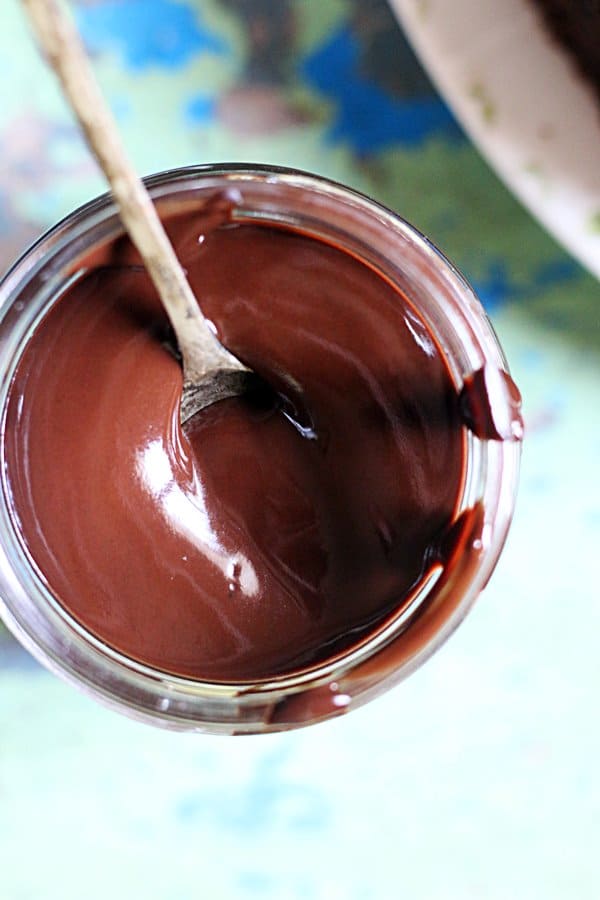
point(350, 221)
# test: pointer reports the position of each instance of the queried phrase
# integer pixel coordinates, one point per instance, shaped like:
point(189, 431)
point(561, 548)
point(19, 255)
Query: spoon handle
point(58, 38)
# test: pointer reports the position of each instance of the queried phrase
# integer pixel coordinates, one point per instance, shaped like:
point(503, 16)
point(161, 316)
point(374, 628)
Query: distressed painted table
point(477, 778)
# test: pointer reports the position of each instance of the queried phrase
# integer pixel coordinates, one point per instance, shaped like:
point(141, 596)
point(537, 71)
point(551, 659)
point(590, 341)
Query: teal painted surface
point(477, 778)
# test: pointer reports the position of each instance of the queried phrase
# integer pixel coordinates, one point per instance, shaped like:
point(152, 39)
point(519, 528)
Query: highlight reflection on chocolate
point(276, 529)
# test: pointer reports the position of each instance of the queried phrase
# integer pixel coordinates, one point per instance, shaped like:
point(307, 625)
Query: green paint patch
point(594, 223)
point(423, 9)
point(467, 210)
point(534, 168)
point(487, 107)
point(315, 20)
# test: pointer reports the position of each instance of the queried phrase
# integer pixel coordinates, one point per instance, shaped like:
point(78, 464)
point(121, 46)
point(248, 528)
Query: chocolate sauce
point(276, 529)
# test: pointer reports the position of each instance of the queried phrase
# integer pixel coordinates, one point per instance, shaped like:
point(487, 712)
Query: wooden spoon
point(210, 372)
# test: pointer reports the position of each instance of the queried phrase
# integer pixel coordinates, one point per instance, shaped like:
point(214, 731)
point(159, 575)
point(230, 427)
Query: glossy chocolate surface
point(277, 529)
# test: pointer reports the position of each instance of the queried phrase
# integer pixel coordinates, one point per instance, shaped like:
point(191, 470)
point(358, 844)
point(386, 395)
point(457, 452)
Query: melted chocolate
point(490, 403)
point(277, 529)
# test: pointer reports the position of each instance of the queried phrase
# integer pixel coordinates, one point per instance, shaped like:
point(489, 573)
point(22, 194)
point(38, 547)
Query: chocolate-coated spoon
point(210, 372)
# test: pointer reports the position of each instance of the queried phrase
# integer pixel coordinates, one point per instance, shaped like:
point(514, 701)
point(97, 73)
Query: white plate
point(523, 103)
